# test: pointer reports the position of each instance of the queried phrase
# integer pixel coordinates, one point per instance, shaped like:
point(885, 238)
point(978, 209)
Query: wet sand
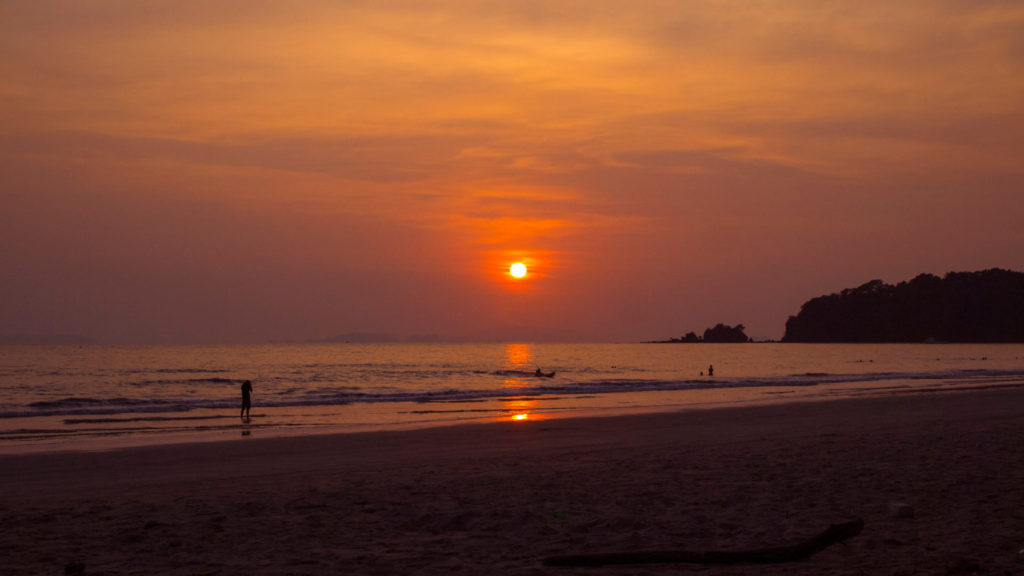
point(937, 478)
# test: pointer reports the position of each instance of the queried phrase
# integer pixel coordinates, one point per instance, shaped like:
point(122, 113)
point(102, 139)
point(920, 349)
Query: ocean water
point(96, 397)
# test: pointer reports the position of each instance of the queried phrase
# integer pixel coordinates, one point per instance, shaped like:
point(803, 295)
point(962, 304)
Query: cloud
point(401, 148)
point(394, 158)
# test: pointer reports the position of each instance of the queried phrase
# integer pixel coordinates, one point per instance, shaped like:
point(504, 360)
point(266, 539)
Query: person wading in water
point(246, 399)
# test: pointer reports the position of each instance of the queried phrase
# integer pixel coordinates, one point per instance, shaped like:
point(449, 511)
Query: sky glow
point(223, 171)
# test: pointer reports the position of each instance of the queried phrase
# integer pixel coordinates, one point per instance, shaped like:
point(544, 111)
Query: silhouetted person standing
point(711, 370)
point(246, 399)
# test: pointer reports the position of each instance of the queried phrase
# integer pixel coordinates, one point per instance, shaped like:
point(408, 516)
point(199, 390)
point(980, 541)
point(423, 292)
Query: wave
point(144, 419)
point(78, 405)
point(164, 381)
point(558, 387)
point(178, 371)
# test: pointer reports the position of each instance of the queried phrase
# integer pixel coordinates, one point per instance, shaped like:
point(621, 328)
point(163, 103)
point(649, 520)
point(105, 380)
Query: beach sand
point(937, 478)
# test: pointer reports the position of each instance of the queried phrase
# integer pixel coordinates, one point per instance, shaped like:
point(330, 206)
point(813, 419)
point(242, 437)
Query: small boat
point(540, 374)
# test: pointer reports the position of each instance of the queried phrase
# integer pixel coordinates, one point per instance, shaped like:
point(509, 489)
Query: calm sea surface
point(69, 397)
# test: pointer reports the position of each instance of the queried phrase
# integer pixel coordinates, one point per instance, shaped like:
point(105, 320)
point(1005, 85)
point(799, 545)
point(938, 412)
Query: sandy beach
point(938, 480)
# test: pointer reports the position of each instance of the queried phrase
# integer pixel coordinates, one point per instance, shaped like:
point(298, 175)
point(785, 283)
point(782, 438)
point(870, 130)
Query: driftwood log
point(799, 551)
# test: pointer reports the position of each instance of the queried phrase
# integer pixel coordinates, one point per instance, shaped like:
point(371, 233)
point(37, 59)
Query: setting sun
point(518, 270)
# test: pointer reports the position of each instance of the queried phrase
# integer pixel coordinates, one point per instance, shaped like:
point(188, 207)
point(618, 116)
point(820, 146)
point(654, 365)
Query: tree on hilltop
point(726, 334)
point(986, 306)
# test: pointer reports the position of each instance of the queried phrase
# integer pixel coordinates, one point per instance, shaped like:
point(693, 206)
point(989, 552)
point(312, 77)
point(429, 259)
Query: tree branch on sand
point(794, 552)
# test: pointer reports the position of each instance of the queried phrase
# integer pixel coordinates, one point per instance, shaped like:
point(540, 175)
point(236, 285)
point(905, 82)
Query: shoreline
point(500, 497)
point(102, 433)
point(802, 412)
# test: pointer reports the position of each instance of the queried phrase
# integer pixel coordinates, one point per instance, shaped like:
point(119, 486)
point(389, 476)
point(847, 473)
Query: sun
point(518, 270)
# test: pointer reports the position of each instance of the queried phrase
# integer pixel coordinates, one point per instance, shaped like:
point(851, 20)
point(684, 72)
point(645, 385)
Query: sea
point(104, 397)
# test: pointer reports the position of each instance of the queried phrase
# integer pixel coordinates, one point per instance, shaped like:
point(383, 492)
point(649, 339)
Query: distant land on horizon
point(720, 334)
point(983, 307)
point(45, 340)
point(373, 338)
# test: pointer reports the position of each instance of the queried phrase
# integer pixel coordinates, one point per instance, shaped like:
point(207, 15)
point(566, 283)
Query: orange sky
point(230, 171)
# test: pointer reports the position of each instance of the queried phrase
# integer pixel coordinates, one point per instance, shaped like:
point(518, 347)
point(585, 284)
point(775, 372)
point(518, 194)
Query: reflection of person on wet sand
point(246, 399)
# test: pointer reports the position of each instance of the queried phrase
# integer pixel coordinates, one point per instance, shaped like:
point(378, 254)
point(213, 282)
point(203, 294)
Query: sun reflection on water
point(518, 356)
point(518, 366)
point(520, 409)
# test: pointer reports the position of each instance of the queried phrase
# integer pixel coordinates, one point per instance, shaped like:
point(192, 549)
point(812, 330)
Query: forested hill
point(986, 306)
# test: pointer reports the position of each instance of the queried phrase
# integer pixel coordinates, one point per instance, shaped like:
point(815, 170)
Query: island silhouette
point(720, 334)
point(985, 306)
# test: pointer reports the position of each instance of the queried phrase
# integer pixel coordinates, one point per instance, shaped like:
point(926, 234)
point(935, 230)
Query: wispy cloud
point(380, 133)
